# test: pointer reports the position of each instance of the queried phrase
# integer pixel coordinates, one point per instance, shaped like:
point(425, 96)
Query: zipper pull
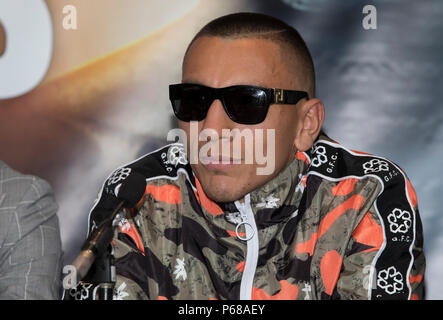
point(250, 231)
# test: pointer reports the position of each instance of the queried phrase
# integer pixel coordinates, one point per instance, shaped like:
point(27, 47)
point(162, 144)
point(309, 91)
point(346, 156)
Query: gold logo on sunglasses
point(278, 94)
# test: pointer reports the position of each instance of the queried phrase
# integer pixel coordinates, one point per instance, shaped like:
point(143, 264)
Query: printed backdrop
point(83, 89)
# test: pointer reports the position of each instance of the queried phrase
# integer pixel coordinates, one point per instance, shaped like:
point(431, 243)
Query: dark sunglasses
point(243, 104)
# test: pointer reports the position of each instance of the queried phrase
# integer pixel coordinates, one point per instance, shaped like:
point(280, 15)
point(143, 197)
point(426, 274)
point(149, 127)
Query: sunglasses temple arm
point(289, 96)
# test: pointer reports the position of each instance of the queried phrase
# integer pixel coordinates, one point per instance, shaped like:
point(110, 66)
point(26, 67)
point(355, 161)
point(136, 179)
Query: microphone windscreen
point(132, 189)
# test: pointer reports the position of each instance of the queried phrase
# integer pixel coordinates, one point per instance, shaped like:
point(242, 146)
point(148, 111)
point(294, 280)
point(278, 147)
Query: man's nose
point(217, 119)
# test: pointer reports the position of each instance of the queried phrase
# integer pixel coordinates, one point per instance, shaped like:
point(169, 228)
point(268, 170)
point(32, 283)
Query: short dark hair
point(262, 26)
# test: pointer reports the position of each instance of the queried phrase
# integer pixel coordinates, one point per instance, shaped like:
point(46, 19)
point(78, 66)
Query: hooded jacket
point(334, 224)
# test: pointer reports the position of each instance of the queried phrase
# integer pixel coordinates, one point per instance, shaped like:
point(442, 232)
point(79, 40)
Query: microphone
point(130, 192)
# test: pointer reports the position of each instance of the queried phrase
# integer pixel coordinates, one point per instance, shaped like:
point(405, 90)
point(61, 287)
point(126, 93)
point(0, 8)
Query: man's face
point(217, 63)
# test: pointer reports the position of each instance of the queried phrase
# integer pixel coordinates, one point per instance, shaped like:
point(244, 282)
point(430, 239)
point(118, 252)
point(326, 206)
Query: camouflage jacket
point(334, 224)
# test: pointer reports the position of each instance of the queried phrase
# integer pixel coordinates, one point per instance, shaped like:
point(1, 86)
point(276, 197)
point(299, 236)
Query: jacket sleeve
point(30, 267)
point(384, 257)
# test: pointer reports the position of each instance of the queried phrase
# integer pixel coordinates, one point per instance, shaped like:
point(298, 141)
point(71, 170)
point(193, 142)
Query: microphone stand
point(104, 274)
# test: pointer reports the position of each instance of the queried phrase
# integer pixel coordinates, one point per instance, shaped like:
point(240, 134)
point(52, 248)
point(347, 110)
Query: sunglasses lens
point(190, 102)
point(246, 105)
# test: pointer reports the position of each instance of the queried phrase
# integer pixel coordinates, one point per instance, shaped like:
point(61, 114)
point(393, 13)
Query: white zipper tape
point(251, 237)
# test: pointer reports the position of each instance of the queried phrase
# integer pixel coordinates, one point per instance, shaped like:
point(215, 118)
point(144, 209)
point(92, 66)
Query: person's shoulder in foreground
point(30, 245)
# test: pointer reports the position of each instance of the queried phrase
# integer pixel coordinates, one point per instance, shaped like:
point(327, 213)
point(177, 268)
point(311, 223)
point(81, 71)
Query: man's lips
point(220, 162)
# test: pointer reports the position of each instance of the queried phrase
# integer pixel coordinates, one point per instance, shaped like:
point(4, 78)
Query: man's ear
point(311, 116)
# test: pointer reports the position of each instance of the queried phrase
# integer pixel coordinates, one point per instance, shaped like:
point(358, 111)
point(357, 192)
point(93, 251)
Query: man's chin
point(223, 188)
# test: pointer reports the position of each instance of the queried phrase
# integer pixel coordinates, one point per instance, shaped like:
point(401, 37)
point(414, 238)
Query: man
point(324, 223)
point(30, 245)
